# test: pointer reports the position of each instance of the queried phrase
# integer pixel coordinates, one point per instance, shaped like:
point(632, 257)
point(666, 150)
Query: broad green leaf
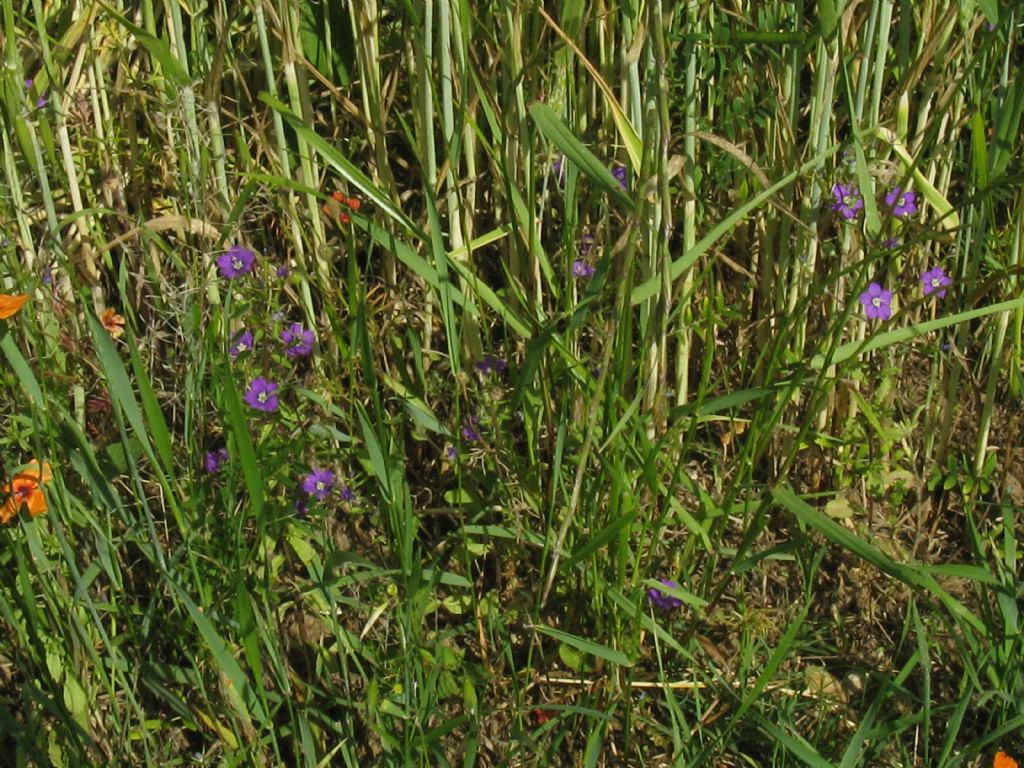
point(342, 165)
point(606, 535)
point(828, 17)
point(444, 285)
point(630, 138)
point(154, 415)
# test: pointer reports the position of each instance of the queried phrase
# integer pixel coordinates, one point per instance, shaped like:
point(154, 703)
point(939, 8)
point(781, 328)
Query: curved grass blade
point(649, 288)
point(341, 164)
point(897, 335)
point(238, 689)
point(630, 138)
point(559, 134)
point(846, 539)
point(948, 217)
point(587, 646)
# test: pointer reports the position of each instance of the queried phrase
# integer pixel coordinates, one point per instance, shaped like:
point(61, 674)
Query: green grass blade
point(846, 539)
point(898, 335)
point(559, 134)
point(587, 646)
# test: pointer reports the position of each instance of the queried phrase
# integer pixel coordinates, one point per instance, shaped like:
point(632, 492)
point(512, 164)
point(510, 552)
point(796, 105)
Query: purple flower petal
point(903, 203)
point(661, 600)
point(240, 342)
point(215, 460)
point(319, 483)
point(261, 395)
point(619, 172)
point(469, 429)
point(877, 302)
point(236, 262)
point(582, 270)
point(490, 364)
point(847, 200)
point(935, 281)
point(298, 341)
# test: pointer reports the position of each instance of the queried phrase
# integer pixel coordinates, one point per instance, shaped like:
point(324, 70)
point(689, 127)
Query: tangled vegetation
point(510, 383)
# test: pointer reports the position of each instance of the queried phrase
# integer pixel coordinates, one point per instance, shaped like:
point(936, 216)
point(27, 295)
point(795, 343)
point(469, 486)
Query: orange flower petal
point(338, 197)
point(113, 322)
point(35, 500)
point(1003, 760)
point(23, 490)
point(9, 305)
point(38, 473)
point(8, 510)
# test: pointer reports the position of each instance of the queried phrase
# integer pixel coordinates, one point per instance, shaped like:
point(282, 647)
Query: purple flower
point(237, 261)
point(319, 483)
point(903, 203)
point(298, 341)
point(260, 395)
point(490, 364)
point(935, 281)
point(41, 101)
point(240, 342)
point(283, 270)
point(582, 269)
point(48, 276)
point(619, 172)
point(661, 600)
point(848, 200)
point(28, 83)
point(877, 302)
point(215, 460)
point(451, 452)
point(469, 428)
point(891, 242)
point(346, 493)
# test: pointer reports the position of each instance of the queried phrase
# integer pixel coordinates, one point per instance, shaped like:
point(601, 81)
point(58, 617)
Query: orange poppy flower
point(113, 322)
point(1003, 760)
point(336, 211)
point(9, 305)
point(24, 489)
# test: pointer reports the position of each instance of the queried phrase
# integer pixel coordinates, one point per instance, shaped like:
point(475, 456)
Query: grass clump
point(464, 384)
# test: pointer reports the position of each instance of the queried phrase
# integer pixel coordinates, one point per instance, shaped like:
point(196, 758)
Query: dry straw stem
point(163, 224)
point(692, 685)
